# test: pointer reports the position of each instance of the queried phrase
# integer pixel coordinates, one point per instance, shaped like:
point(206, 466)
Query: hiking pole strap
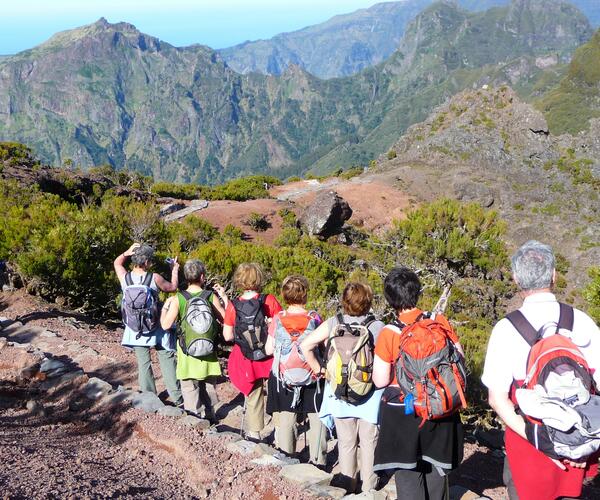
point(528, 332)
point(566, 318)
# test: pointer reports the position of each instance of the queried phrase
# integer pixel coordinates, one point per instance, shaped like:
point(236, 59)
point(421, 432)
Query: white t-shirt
point(506, 357)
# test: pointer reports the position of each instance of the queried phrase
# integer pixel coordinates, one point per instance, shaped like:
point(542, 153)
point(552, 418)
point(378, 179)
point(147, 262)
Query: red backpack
point(430, 369)
point(549, 354)
point(555, 355)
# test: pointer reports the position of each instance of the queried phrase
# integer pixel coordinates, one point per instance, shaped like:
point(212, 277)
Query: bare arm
point(220, 305)
point(169, 286)
point(228, 333)
point(218, 308)
point(169, 313)
point(270, 346)
point(382, 372)
point(119, 263)
point(308, 346)
point(504, 407)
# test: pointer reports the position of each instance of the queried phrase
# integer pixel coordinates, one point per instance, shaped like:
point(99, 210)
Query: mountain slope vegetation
point(570, 106)
point(106, 93)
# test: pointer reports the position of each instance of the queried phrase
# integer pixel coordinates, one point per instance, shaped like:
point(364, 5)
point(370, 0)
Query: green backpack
point(196, 331)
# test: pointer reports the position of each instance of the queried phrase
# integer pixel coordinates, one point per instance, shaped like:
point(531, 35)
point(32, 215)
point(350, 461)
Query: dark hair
point(356, 299)
point(402, 288)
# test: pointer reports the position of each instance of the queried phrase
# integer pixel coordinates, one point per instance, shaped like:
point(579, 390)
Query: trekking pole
point(442, 303)
point(243, 417)
point(318, 450)
point(305, 445)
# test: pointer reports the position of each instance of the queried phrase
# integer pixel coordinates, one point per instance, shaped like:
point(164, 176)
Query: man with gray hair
point(528, 473)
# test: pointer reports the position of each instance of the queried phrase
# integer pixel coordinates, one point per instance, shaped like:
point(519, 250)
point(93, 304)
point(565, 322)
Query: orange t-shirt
point(388, 343)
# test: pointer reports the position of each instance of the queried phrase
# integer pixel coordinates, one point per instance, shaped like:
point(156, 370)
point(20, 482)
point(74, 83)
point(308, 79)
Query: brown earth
point(374, 199)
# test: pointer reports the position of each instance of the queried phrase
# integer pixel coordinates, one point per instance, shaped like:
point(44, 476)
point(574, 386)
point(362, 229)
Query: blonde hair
point(295, 290)
point(357, 299)
point(249, 276)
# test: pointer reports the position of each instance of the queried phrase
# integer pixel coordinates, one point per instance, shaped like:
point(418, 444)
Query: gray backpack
point(139, 306)
point(196, 331)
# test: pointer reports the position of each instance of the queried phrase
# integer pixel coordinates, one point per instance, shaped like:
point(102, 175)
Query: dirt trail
point(374, 199)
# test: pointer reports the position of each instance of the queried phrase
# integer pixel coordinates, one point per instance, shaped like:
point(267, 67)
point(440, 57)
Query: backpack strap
point(148, 279)
point(186, 295)
point(524, 327)
point(262, 298)
point(340, 318)
point(128, 280)
point(566, 318)
point(205, 295)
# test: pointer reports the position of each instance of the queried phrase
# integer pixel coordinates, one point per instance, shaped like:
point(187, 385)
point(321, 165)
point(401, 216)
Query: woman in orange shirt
point(421, 451)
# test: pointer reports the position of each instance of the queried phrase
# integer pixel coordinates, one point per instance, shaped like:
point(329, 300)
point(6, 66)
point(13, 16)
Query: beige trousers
point(195, 396)
point(255, 409)
point(350, 432)
point(286, 434)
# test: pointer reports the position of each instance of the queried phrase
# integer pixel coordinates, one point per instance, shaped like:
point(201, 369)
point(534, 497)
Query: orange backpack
point(430, 369)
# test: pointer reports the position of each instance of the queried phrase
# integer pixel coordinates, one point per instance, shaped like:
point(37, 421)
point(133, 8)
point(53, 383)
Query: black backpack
point(251, 330)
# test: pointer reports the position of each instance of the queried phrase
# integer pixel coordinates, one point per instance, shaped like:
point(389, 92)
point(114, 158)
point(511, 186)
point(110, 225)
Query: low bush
point(591, 293)
point(257, 221)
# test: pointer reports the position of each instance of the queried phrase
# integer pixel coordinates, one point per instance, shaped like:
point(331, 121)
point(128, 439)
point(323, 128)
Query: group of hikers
point(391, 393)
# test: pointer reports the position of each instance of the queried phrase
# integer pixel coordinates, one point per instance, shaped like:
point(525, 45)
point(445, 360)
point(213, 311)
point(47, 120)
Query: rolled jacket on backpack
point(560, 431)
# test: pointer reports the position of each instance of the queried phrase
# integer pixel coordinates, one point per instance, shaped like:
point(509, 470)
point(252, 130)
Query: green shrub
point(257, 221)
point(188, 234)
point(15, 153)
point(391, 154)
point(351, 172)
point(181, 191)
point(247, 188)
point(462, 237)
point(591, 293)
point(69, 250)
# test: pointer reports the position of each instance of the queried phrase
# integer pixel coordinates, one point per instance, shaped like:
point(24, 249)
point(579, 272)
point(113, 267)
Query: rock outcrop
point(489, 146)
point(326, 214)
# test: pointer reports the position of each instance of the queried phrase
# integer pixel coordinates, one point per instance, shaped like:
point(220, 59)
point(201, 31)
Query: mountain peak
point(102, 22)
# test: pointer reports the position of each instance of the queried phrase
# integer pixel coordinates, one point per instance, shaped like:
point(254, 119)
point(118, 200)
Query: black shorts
point(403, 442)
point(280, 399)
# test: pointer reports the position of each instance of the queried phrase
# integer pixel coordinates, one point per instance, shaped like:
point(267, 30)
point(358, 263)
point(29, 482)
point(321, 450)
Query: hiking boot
point(252, 435)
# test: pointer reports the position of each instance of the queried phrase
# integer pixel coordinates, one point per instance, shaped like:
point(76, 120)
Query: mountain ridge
point(348, 43)
point(115, 95)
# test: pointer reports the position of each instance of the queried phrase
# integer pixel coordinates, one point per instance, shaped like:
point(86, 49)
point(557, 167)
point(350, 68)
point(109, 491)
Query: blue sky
point(217, 23)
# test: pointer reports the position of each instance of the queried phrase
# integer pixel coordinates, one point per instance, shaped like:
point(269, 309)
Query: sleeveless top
point(158, 338)
point(195, 368)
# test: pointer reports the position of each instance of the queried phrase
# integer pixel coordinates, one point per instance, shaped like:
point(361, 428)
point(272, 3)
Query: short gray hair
point(193, 270)
point(142, 255)
point(533, 266)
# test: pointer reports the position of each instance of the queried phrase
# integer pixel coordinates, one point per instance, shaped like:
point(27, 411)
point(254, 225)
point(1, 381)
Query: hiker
point(196, 308)
point(529, 473)
point(422, 448)
point(292, 388)
point(354, 414)
point(246, 324)
point(143, 331)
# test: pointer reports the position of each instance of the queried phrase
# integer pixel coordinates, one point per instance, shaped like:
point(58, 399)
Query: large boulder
point(326, 215)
